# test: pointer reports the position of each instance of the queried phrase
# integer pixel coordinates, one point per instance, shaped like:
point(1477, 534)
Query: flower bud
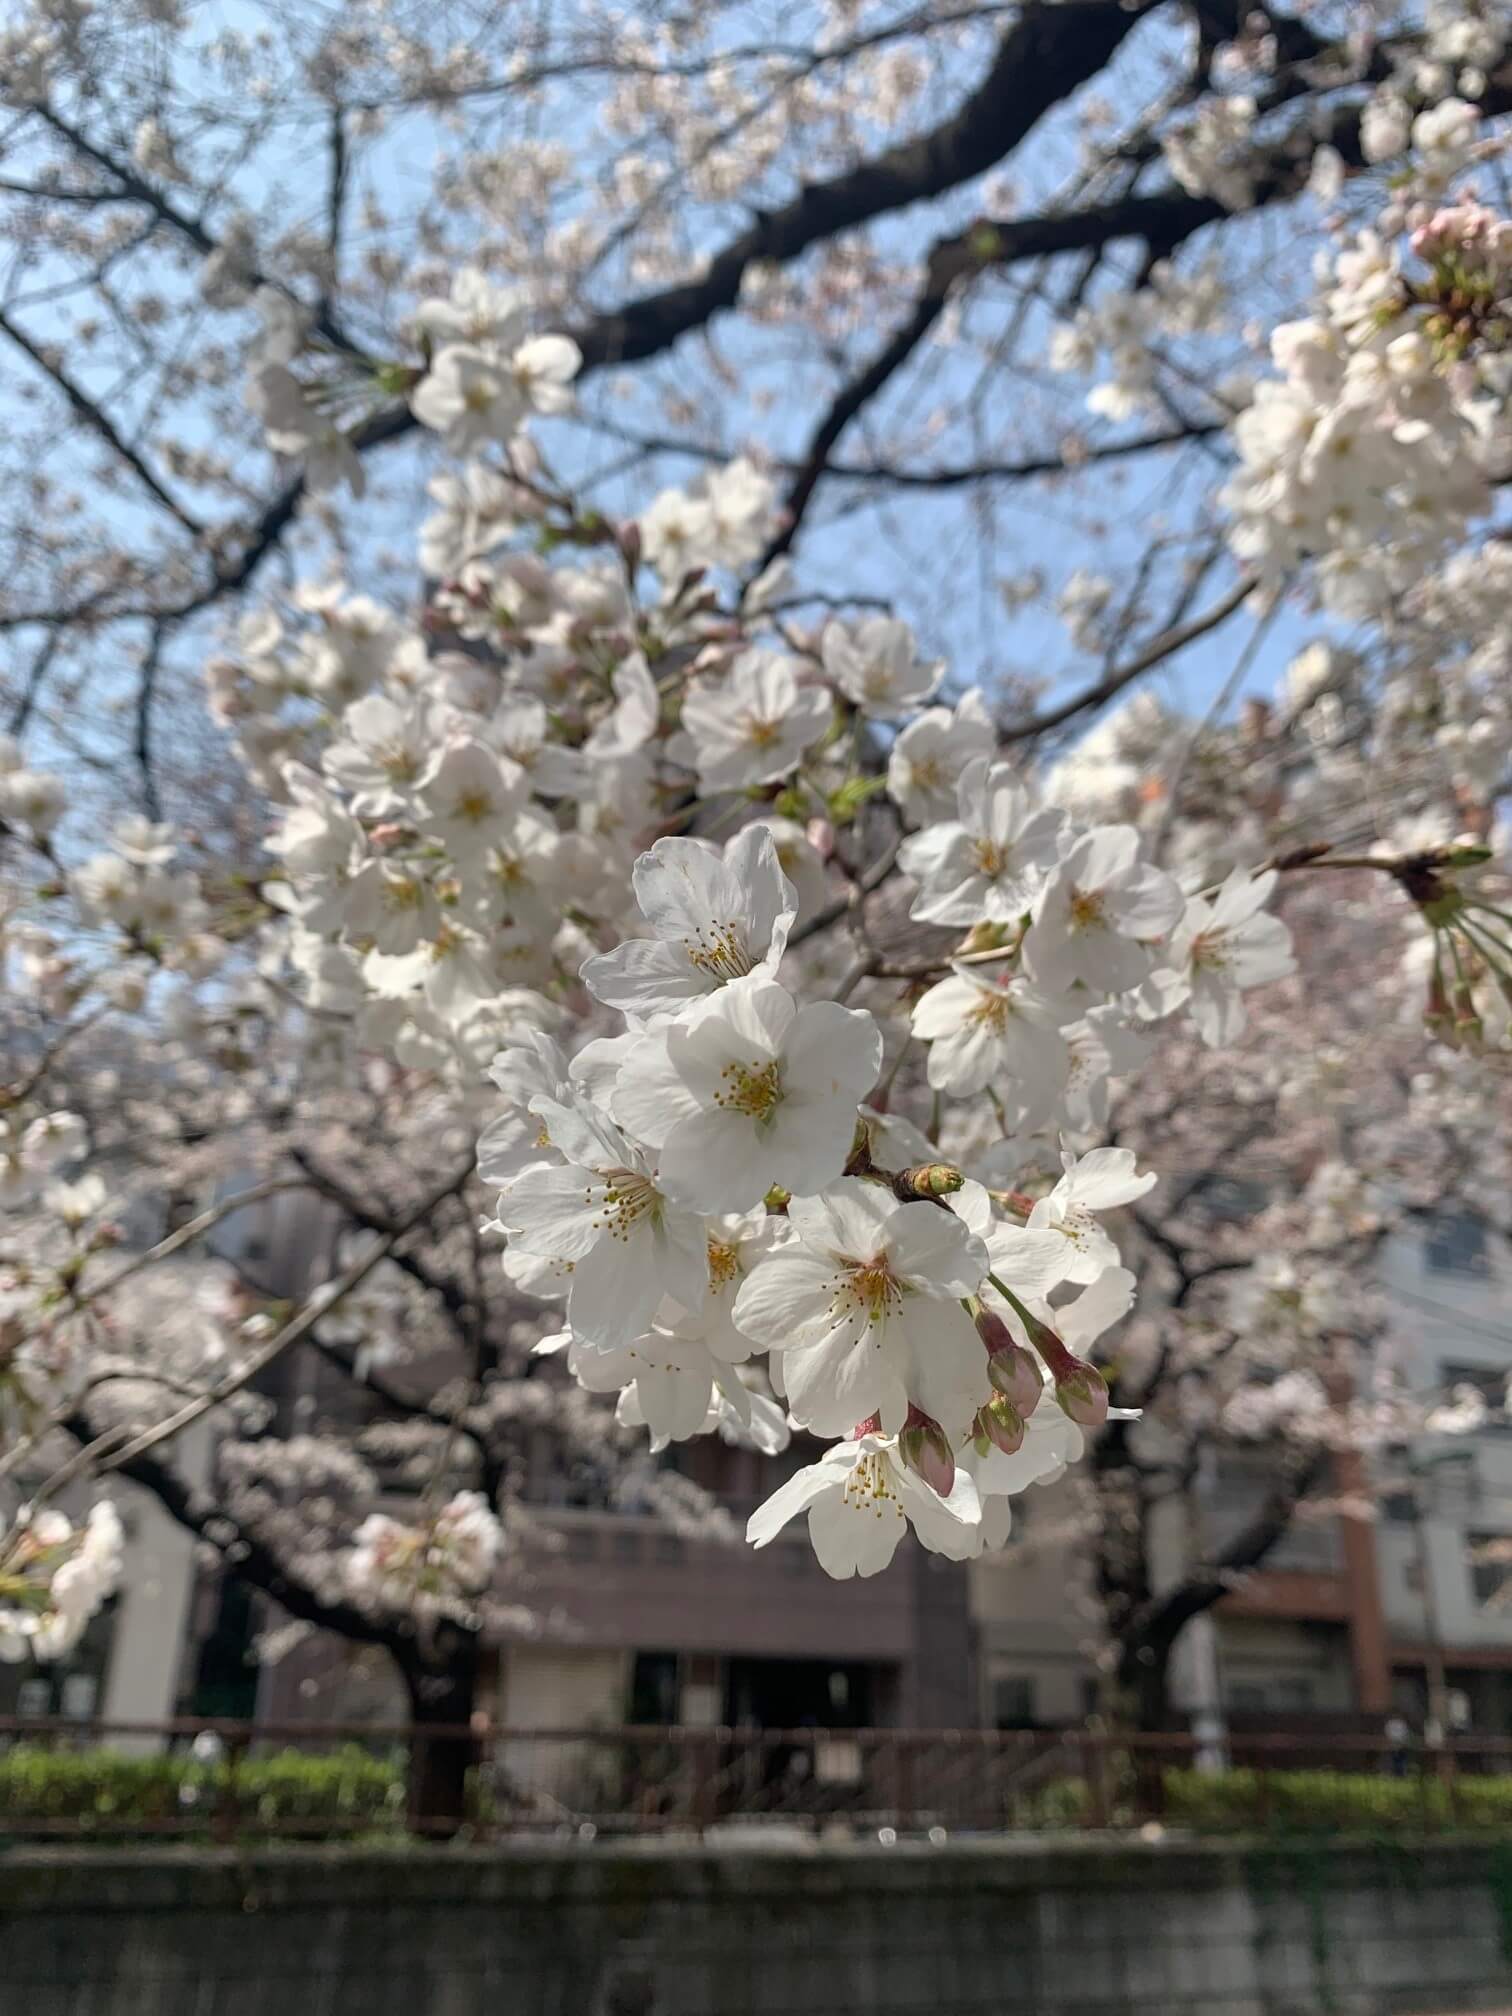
point(1083, 1395)
point(926, 1451)
point(929, 1179)
point(1011, 1369)
point(1001, 1423)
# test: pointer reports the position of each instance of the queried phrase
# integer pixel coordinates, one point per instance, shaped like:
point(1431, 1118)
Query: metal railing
point(222, 1780)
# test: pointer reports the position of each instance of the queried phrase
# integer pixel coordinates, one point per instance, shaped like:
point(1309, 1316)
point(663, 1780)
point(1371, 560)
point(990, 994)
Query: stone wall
point(665, 1929)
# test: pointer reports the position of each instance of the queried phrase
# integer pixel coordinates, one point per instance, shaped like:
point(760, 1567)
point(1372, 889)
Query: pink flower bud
point(821, 837)
point(1083, 1395)
point(1011, 1369)
point(926, 1451)
point(1001, 1423)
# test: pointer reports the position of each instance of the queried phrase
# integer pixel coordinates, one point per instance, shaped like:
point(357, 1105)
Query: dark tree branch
point(99, 422)
point(1048, 53)
point(847, 403)
point(1164, 646)
point(250, 1557)
point(146, 695)
point(1154, 1629)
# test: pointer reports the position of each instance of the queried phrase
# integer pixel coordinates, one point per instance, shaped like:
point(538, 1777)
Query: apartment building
point(1350, 1620)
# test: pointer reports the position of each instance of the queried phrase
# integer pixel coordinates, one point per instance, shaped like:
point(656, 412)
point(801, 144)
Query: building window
point(1013, 1702)
point(1491, 1569)
point(653, 1688)
point(1457, 1246)
point(1491, 1384)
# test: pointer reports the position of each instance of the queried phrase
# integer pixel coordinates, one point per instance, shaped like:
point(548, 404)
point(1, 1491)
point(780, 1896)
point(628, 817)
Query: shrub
point(1331, 1802)
point(110, 1791)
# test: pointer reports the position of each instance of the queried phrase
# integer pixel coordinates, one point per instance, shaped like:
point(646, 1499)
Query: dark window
point(1013, 1702)
point(1457, 1246)
point(653, 1687)
point(1491, 1569)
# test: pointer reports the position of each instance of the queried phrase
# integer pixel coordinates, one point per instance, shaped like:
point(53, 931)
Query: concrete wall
point(658, 1929)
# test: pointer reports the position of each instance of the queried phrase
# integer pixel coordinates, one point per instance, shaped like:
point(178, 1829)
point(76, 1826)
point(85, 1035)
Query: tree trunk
point(1144, 1668)
point(443, 1694)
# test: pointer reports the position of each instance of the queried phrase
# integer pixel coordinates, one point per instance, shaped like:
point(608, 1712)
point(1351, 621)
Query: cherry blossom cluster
point(709, 1191)
point(54, 1576)
point(1372, 454)
point(710, 1186)
point(482, 861)
point(433, 1565)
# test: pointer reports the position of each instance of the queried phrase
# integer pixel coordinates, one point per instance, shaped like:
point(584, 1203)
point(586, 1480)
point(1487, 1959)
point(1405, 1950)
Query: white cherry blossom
point(988, 863)
point(717, 915)
point(1098, 912)
point(926, 760)
point(997, 1032)
point(863, 1305)
point(860, 1499)
point(1224, 946)
point(755, 725)
point(602, 1211)
point(874, 665)
point(1102, 1180)
point(749, 1092)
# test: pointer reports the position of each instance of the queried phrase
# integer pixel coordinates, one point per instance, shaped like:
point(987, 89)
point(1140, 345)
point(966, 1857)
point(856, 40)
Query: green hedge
point(1331, 1802)
point(107, 1790)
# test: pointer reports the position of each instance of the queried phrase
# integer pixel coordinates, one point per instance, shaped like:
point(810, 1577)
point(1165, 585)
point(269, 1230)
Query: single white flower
point(1103, 1180)
point(748, 1092)
point(468, 793)
point(1096, 912)
point(667, 1381)
point(717, 915)
point(864, 1307)
point(754, 725)
point(543, 370)
point(380, 754)
point(469, 398)
point(998, 1033)
point(603, 1211)
point(925, 764)
point(874, 666)
point(478, 312)
point(860, 1499)
point(1227, 945)
point(517, 1139)
point(392, 904)
point(988, 863)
